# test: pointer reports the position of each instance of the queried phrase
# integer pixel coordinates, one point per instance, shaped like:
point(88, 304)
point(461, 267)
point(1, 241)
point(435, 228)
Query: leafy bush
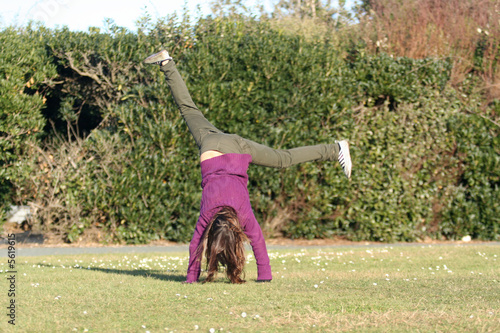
point(474, 208)
point(25, 72)
point(467, 31)
point(120, 165)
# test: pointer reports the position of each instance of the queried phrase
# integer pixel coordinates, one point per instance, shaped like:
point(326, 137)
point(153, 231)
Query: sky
point(79, 15)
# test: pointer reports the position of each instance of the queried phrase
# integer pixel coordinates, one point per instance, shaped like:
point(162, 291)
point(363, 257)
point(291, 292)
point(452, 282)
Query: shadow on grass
point(155, 274)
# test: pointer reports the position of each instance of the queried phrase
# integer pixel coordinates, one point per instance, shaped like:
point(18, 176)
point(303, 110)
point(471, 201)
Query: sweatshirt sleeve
point(194, 267)
point(254, 233)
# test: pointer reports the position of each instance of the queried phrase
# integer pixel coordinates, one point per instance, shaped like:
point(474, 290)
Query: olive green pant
point(208, 137)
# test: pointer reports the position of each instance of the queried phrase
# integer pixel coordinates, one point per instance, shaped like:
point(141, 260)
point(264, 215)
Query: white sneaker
point(158, 58)
point(345, 157)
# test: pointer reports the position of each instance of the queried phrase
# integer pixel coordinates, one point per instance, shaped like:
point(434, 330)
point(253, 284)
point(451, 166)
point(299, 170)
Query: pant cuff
point(168, 66)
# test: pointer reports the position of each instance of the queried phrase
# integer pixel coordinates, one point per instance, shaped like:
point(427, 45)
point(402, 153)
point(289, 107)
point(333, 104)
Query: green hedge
point(25, 68)
point(120, 165)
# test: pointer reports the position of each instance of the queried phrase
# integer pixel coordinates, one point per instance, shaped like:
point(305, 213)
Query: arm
point(194, 267)
point(258, 243)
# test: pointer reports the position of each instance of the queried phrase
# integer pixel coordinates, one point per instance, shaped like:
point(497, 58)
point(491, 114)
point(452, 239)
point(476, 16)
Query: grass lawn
point(450, 288)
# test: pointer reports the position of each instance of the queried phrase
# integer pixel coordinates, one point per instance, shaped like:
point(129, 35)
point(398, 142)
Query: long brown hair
point(224, 246)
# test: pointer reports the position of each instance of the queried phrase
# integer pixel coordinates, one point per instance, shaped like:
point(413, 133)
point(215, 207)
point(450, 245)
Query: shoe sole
point(345, 160)
point(157, 57)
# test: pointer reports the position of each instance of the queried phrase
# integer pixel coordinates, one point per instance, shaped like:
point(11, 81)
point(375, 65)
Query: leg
point(208, 137)
point(265, 156)
point(276, 158)
point(198, 125)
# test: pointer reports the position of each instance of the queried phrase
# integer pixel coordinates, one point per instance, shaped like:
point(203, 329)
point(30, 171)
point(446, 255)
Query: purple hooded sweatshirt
point(224, 183)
